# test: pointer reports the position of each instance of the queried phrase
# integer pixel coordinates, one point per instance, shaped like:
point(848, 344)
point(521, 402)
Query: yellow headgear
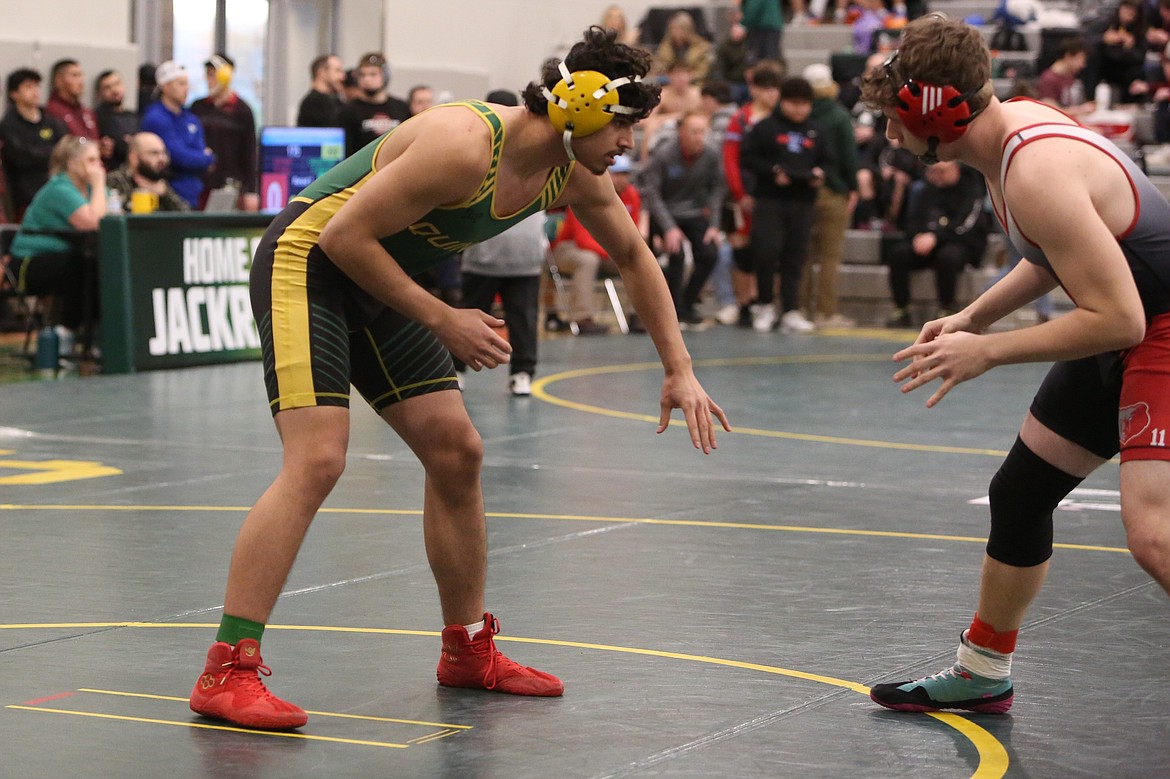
point(223, 72)
point(583, 102)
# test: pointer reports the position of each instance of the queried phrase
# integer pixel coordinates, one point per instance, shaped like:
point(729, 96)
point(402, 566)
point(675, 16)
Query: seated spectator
point(116, 123)
point(68, 85)
point(946, 231)
point(577, 252)
point(321, 105)
point(47, 261)
point(683, 43)
point(181, 131)
point(682, 185)
point(374, 112)
point(1160, 89)
point(1122, 52)
point(509, 265)
point(146, 168)
point(28, 136)
point(1060, 84)
point(614, 18)
point(786, 155)
point(229, 129)
point(818, 11)
point(883, 180)
point(420, 98)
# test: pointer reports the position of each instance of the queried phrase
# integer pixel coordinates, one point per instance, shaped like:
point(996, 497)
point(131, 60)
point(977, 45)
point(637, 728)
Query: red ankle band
point(982, 634)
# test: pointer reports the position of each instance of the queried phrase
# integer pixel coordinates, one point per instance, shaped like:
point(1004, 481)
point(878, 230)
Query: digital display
point(292, 158)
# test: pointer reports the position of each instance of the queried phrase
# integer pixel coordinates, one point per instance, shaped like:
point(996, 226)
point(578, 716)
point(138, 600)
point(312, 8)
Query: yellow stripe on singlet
point(290, 300)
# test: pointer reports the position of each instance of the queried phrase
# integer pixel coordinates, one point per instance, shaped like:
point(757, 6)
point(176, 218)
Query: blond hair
point(66, 150)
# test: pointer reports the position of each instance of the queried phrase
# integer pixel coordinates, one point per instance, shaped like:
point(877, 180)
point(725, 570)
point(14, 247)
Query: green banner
point(175, 290)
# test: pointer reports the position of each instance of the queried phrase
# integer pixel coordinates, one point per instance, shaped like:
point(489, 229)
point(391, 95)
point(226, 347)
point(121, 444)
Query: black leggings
point(780, 236)
point(70, 277)
point(521, 298)
point(948, 260)
point(704, 256)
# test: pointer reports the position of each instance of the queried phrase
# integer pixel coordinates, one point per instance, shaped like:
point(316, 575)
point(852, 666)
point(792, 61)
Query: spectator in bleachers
point(818, 11)
point(420, 98)
point(1160, 89)
point(786, 154)
point(181, 131)
point(578, 253)
point(322, 103)
point(873, 16)
point(682, 186)
point(147, 84)
point(68, 85)
point(680, 96)
point(946, 231)
point(374, 112)
point(1158, 31)
point(764, 86)
point(229, 128)
point(683, 43)
point(146, 168)
point(834, 201)
point(116, 122)
point(1122, 52)
point(764, 21)
point(731, 59)
point(614, 18)
point(1060, 84)
point(28, 136)
point(509, 265)
point(883, 180)
point(73, 200)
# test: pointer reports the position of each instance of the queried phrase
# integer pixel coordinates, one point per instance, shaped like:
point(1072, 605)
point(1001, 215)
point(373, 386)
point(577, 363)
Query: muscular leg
point(1006, 591)
point(437, 429)
point(315, 440)
point(1145, 511)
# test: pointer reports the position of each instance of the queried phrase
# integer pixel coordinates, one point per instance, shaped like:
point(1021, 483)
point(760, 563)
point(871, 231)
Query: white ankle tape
point(982, 661)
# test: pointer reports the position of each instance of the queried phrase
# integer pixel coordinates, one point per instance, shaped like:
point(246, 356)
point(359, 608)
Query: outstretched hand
point(684, 392)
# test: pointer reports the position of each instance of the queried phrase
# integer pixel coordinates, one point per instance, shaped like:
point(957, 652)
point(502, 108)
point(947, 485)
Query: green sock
point(232, 629)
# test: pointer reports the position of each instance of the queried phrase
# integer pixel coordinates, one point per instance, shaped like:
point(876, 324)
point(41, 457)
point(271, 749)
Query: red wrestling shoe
point(230, 689)
point(474, 661)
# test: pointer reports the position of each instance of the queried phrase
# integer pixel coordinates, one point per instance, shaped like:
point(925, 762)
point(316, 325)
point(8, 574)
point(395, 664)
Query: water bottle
point(114, 202)
point(1103, 96)
point(48, 353)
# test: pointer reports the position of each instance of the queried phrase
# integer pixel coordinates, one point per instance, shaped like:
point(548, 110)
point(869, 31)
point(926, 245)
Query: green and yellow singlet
point(443, 231)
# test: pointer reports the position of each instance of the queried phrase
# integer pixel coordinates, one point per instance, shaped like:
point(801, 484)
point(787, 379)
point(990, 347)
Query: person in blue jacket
point(181, 131)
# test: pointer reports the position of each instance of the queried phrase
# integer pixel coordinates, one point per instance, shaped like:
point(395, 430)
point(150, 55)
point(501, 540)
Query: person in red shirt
point(68, 85)
point(578, 253)
point(764, 88)
point(1060, 84)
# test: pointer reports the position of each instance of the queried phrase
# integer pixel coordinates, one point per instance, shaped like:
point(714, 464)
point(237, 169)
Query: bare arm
point(602, 213)
point(1070, 201)
point(440, 162)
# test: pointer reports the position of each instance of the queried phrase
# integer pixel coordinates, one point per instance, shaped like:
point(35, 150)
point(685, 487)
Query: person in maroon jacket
point(68, 85)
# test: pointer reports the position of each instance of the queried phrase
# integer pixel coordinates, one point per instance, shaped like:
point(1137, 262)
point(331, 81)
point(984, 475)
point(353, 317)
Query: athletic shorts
point(320, 332)
point(1113, 402)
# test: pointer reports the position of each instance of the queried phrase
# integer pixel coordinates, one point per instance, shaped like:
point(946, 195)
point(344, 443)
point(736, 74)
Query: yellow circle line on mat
point(993, 757)
point(539, 391)
point(564, 518)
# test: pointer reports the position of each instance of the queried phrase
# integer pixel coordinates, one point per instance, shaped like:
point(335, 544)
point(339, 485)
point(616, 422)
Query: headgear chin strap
point(937, 114)
point(583, 102)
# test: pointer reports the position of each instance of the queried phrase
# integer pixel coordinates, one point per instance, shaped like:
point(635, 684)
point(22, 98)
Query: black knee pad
point(1024, 493)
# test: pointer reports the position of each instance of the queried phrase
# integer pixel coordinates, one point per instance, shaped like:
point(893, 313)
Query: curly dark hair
point(600, 51)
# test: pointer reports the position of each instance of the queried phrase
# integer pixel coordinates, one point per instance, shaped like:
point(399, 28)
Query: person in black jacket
point(785, 155)
point(27, 137)
point(946, 230)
